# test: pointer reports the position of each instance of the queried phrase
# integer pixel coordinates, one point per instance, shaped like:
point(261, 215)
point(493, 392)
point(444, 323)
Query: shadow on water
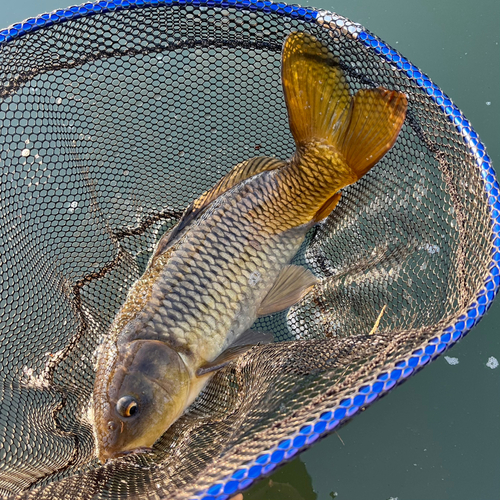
point(289, 483)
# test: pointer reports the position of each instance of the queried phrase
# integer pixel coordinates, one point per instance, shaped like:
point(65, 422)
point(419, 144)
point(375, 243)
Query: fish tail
point(322, 113)
point(376, 119)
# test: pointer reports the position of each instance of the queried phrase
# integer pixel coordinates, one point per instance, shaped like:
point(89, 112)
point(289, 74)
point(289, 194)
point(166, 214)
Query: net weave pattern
point(111, 124)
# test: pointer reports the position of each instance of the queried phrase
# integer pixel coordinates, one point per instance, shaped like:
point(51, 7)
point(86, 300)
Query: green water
point(437, 437)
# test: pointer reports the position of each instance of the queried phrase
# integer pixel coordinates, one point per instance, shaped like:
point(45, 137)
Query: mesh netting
point(111, 124)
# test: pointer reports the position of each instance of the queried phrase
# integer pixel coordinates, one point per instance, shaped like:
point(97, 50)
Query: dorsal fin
point(241, 172)
point(163, 244)
point(238, 173)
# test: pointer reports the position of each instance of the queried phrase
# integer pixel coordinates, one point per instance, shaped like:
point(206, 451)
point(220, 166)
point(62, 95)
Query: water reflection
point(289, 483)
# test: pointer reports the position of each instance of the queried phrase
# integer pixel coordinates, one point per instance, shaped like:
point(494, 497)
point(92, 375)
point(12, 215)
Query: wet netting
point(115, 116)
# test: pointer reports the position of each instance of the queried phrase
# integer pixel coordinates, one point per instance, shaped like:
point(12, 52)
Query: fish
point(227, 262)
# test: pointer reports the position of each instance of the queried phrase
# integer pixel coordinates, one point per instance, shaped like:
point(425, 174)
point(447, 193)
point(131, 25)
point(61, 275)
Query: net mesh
point(111, 125)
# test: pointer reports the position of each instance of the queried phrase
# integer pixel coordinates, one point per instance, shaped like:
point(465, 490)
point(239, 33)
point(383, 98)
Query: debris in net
point(377, 322)
point(431, 249)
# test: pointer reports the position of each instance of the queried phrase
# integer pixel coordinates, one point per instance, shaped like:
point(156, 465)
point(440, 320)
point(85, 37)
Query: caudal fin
point(316, 91)
point(376, 118)
point(320, 109)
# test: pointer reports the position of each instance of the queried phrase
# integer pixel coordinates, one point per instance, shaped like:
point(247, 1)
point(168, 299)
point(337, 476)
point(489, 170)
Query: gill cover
point(146, 392)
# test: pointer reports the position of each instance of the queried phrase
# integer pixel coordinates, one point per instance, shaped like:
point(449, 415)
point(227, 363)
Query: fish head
point(145, 392)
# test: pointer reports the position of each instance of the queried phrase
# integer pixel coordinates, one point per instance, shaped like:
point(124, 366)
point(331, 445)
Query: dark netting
point(111, 124)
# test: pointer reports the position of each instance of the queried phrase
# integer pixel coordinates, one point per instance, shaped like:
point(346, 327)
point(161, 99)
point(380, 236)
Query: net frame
point(384, 380)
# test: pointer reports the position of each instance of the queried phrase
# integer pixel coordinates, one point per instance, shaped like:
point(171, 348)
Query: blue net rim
point(385, 381)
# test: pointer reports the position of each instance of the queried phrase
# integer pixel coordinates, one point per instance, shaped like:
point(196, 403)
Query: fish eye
point(127, 406)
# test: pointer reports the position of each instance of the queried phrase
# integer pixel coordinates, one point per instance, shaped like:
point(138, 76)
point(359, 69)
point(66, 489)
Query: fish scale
point(211, 268)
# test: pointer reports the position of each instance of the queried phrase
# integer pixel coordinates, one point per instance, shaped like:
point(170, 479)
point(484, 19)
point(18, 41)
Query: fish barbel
point(227, 261)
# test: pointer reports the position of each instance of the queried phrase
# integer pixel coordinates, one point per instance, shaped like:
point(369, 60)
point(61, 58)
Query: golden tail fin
point(316, 91)
point(321, 110)
point(376, 119)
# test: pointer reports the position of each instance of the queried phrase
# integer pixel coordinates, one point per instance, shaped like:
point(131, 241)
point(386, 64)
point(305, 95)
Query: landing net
point(115, 115)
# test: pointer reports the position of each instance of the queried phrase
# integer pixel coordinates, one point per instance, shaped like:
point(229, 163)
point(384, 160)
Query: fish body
point(227, 261)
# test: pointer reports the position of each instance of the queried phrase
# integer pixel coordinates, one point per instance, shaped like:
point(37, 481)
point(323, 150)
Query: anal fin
point(327, 207)
point(290, 286)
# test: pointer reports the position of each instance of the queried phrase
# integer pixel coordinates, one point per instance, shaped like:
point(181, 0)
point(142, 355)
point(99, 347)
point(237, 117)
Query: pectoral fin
point(291, 285)
point(253, 337)
point(244, 342)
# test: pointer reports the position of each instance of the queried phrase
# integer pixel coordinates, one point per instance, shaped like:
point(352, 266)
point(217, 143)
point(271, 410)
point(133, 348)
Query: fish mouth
point(107, 457)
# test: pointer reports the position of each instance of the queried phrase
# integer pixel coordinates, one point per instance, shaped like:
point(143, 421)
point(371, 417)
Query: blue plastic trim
point(99, 7)
point(328, 420)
